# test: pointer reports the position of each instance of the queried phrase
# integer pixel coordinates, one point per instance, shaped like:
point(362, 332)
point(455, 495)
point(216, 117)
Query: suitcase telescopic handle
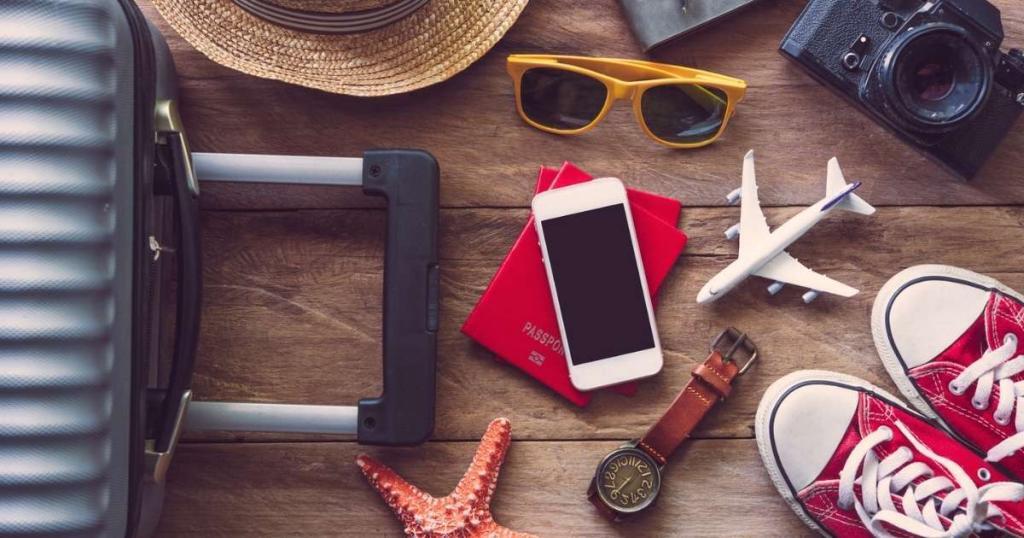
point(404, 413)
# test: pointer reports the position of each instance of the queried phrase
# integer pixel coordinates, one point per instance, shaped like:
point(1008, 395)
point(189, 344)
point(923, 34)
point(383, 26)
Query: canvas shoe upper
point(953, 341)
point(852, 461)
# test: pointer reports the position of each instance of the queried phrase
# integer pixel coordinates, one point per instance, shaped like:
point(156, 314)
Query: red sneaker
point(853, 461)
point(953, 341)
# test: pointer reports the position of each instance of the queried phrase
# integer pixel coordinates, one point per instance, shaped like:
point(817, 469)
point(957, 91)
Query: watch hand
point(628, 480)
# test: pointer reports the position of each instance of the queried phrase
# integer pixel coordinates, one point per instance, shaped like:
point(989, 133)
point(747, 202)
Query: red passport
point(515, 317)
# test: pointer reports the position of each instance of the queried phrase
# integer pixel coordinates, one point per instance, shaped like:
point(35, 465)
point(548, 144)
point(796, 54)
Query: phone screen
point(597, 281)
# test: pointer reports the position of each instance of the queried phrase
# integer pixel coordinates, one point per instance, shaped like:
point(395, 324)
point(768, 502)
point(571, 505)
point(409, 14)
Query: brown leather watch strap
point(710, 382)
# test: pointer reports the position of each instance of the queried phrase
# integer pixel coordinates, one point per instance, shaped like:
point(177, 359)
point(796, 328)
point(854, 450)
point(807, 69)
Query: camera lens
point(933, 79)
point(939, 77)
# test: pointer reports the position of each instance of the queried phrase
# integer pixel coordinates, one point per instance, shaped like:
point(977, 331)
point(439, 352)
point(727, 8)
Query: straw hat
point(352, 47)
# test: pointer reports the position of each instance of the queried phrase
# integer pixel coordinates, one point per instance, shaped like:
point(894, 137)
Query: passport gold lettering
point(544, 338)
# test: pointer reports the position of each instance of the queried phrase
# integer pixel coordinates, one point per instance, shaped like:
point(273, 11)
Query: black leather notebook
point(656, 22)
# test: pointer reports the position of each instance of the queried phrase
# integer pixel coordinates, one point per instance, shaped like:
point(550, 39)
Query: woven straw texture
point(333, 6)
point(433, 44)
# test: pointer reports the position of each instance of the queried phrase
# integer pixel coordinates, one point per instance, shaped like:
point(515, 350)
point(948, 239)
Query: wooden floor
point(293, 279)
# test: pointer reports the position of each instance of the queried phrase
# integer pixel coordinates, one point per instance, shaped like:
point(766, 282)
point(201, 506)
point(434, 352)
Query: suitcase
point(98, 212)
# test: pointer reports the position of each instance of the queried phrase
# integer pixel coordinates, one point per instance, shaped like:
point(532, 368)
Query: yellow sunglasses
point(676, 106)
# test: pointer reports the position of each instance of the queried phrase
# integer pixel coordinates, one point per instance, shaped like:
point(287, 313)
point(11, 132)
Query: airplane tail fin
point(856, 204)
point(836, 184)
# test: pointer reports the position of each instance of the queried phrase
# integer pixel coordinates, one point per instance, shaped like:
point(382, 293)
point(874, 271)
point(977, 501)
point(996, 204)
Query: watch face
point(628, 480)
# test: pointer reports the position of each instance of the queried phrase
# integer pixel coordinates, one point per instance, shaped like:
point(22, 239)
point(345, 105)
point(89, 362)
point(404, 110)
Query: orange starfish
point(466, 511)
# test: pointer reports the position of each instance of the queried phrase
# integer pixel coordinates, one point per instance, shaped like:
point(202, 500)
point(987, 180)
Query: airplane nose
point(705, 295)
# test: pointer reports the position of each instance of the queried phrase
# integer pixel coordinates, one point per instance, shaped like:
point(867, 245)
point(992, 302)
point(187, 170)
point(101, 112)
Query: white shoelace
point(966, 506)
point(997, 365)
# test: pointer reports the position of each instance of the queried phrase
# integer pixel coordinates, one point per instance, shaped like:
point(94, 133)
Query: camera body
point(930, 71)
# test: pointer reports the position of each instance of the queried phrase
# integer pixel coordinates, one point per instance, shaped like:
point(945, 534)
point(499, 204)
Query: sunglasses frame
point(626, 79)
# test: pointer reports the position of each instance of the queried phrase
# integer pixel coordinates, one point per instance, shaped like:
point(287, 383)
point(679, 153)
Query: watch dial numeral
point(628, 480)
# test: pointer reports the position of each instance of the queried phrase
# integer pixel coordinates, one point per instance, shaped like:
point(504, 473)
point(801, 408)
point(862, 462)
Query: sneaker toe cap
point(807, 427)
point(925, 317)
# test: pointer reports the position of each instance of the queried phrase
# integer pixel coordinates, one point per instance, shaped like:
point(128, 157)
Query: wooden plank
point(292, 298)
point(315, 489)
point(292, 311)
point(310, 238)
point(488, 155)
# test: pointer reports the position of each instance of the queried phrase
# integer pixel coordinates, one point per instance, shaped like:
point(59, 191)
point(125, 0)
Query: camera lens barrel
point(935, 77)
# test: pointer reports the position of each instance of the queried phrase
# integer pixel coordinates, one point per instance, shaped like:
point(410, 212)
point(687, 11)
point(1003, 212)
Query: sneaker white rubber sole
point(883, 339)
point(762, 428)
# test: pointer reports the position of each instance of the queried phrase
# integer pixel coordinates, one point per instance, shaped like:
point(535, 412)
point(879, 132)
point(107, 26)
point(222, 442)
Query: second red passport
point(515, 318)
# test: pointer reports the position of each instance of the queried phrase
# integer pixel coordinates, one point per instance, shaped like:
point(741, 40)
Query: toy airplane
point(763, 252)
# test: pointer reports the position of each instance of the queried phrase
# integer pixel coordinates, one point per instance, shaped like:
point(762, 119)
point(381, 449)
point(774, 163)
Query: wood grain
point(487, 154)
point(292, 311)
point(315, 489)
point(293, 279)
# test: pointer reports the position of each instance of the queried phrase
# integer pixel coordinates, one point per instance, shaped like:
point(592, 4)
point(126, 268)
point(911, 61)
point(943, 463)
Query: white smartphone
point(598, 283)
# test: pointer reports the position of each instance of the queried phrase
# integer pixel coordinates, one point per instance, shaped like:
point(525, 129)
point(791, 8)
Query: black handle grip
point(404, 412)
point(186, 336)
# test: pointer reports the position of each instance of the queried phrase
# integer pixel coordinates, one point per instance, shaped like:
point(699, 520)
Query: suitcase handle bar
point(273, 418)
point(404, 413)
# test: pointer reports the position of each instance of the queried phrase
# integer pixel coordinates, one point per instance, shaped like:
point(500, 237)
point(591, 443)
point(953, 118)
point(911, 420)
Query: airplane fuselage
point(759, 255)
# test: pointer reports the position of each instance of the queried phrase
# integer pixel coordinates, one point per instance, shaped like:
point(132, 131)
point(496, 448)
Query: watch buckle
point(730, 343)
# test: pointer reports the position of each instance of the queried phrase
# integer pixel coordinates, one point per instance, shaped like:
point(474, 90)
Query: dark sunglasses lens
point(561, 99)
point(684, 113)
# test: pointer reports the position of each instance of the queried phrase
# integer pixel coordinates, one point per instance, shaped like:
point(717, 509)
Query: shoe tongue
point(878, 413)
point(872, 414)
point(971, 345)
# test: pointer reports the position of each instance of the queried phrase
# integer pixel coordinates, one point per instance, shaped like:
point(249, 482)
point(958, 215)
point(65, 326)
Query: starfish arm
point(402, 497)
point(466, 512)
point(482, 476)
point(497, 531)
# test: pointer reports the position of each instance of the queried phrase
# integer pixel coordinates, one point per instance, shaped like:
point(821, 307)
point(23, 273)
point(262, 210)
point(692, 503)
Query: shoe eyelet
point(1002, 421)
point(955, 389)
point(980, 406)
point(1010, 338)
point(984, 474)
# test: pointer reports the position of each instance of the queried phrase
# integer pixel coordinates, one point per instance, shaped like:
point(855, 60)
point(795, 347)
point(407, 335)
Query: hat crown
point(332, 6)
point(331, 22)
point(435, 40)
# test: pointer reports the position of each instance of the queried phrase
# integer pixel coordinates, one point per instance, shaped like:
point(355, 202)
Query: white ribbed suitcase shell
point(66, 240)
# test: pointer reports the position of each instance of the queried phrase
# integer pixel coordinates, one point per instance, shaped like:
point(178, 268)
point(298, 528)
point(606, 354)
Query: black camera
point(931, 71)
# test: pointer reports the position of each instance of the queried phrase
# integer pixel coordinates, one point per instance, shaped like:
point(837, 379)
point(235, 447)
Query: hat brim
point(433, 44)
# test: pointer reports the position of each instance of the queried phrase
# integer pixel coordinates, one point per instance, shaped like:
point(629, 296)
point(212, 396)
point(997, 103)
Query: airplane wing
point(753, 225)
point(786, 268)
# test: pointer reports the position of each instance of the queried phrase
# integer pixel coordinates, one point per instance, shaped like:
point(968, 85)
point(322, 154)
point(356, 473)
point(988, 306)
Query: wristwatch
point(628, 479)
